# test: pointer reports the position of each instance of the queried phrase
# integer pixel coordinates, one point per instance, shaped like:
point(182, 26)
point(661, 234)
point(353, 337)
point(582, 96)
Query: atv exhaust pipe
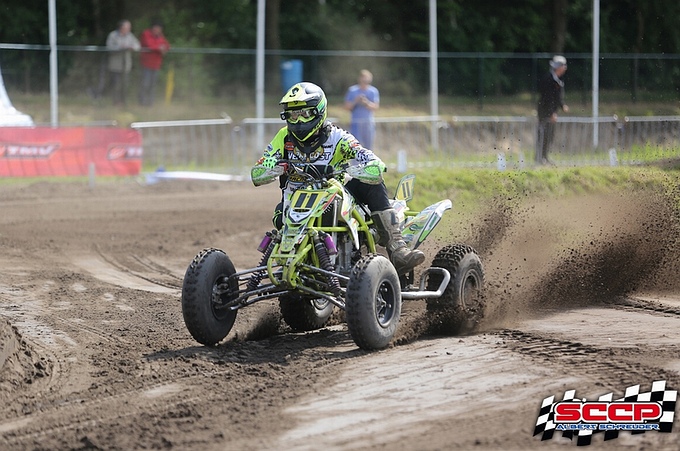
point(422, 294)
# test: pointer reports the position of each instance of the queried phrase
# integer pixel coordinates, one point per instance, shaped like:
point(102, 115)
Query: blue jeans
point(147, 86)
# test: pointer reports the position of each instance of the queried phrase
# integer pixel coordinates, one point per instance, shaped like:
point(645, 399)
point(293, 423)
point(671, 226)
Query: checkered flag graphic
point(546, 425)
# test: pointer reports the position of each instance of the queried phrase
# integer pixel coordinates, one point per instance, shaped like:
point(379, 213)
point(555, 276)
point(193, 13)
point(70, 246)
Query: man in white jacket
point(121, 43)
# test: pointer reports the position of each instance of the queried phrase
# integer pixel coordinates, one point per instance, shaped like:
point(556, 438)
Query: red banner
point(47, 151)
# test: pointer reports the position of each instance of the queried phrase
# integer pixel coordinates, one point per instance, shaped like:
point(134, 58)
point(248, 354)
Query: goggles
point(303, 114)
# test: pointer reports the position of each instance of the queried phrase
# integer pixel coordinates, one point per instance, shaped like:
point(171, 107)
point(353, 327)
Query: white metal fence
point(204, 144)
point(505, 142)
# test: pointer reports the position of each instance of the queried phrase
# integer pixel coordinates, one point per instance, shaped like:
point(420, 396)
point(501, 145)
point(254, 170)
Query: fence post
point(500, 161)
point(613, 159)
point(91, 175)
point(401, 161)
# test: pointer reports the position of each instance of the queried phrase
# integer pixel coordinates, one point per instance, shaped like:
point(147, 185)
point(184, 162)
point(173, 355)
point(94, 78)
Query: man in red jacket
point(154, 48)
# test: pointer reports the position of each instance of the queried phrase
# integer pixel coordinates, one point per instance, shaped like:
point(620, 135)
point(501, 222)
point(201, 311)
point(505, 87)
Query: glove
point(370, 173)
point(261, 175)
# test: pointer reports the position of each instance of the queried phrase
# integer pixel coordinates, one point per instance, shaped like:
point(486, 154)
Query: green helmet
point(305, 112)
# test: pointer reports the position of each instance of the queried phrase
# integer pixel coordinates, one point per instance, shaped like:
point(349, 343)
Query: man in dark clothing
point(550, 99)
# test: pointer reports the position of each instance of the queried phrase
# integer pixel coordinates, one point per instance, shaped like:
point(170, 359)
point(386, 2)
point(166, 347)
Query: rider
point(310, 138)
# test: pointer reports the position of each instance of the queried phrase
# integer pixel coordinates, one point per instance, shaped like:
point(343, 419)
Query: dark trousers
point(119, 83)
point(375, 196)
point(545, 135)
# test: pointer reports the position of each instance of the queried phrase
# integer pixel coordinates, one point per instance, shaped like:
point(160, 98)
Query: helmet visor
point(300, 115)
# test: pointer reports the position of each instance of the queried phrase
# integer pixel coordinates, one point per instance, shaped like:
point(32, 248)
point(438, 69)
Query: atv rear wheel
point(461, 306)
point(373, 302)
point(303, 314)
point(208, 323)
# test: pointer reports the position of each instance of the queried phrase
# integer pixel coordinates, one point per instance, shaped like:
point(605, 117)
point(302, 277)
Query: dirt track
point(94, 353)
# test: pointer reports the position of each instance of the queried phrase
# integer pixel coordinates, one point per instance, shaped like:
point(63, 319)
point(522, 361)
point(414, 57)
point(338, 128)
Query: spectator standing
point(550, 100)
point(121, 43)
point(154, 48)
point(362, 100)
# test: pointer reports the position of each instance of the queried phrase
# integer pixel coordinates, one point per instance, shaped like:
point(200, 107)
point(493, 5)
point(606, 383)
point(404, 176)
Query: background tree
point(559, 22)
point(467, 29)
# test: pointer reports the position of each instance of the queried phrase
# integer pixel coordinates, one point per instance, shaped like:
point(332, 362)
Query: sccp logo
point(640, 412)
point(606, 412)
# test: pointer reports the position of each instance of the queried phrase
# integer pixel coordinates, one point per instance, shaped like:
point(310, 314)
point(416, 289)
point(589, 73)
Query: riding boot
point(403, 258)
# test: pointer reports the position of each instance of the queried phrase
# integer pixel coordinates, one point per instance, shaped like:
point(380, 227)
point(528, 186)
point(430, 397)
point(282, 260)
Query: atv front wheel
point(461, 306)
point(373, 302)
point(304, 314)
point(208, 323)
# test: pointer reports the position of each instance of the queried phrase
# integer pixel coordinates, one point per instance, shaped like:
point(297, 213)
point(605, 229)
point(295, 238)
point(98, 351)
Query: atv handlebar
point(370, 173)
point(311, 173)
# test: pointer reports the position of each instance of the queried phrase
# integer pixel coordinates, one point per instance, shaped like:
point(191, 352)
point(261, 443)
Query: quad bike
point(325, 256)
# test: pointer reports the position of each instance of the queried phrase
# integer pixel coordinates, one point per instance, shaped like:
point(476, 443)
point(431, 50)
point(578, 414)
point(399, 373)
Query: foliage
point(464, 26)
point(628, 26)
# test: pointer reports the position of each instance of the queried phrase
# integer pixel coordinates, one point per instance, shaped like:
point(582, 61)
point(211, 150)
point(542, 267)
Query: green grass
point(471, 188)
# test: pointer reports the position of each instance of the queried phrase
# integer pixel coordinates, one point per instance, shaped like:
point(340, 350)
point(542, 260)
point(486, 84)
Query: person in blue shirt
point(362, 100)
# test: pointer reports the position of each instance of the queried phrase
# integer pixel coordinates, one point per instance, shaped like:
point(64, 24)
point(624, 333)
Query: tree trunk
point(97, 21)
point(639, 41)
point(559, 22)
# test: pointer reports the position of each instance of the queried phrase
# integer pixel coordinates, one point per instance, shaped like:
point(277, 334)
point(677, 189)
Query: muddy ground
point(582, 294)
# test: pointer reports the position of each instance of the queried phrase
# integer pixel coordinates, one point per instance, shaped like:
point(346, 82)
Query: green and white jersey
point(340, 149)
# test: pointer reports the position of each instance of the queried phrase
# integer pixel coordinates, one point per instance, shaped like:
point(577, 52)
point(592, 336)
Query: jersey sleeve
point(264, 170)
point(350, 151)
point(274, 151)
